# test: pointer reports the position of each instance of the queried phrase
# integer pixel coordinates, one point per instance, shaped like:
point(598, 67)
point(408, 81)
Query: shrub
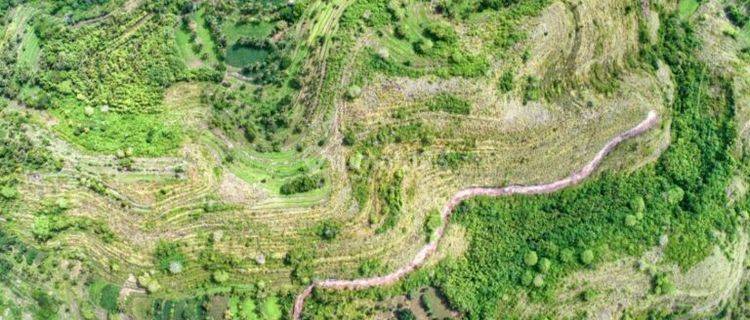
point(449, 103)
point(167, 253)
point(587, 257)
point(109, 298)
point(423, 46)
point(538, 281)
point(530, 258)
point(544, 265)
point(453, 160)
point(370, 267)
point(353, 92)
point(588, 295)
point(441, 32)
point(735, 15)
point(506, 82)
point(662, 285)
point(432, 222)
point(328, 230)
point(220, 276)
point(302, 184)
point(405, 314)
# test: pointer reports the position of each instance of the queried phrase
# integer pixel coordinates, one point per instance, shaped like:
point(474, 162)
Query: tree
point(530, 258)
point(42, 228)
point(220, 276)
point(544, 265)
point(538, 281)
point(405, 314)
point(630, 220)
point(328, 230)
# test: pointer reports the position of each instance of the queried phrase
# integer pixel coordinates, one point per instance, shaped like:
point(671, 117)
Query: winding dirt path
point(431, 247)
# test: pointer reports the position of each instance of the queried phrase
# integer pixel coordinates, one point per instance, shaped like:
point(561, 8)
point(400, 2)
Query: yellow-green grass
point(257, 30)
point(687, 7)
point(182, 38)
point(28, 55)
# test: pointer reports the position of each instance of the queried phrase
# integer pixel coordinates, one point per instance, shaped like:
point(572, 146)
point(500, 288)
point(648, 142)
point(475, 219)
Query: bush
point(328, 230)
point(506, 82)
point(110, 296)
point(449, 103)
point(167, 253)
point(587, 257)
point(220, 276)
point(423, 46)
point(302, 184)
point(544, 265)
point(432, 223)
point(353, 92)
point(405, 314)
point(530, 258)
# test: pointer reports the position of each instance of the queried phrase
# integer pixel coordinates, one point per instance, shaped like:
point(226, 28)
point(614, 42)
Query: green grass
point(185, 45)
point(235, 31)
point(105, 294)
point(242, 56)
point(146, 134)
point(248, 310)
point(205, 36)
point(28, 55)
point(687, 7)
point(182, 38)
point(270, 309)
point(272, 170)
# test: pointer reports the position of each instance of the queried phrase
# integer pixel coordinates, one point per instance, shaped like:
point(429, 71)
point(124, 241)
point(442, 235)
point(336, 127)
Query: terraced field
point(206, 160)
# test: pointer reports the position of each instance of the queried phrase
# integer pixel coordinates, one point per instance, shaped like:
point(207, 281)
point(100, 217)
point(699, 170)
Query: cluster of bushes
point(263, 124)
point(75, 66)
point(449, 103)
point(168, 257)
point(453, 160)
point(106, 295)
point(300, 259)
point(17, 150)
point(302, 184)
point(328, 230)
point(738, 15)
point(391, 203)
point(462, 9)
point(51, 220)
point(267, 123)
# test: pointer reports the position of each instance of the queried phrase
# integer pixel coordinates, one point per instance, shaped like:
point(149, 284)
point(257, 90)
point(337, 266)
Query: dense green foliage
point(166, 254)
point(391, 204)
point(301, 184)
point(449, 103)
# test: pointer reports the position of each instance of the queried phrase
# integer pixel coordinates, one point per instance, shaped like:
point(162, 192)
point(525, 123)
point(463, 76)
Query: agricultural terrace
point(180, 159)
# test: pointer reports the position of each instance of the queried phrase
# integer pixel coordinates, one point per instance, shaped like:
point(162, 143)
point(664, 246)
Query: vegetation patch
point(449, 103)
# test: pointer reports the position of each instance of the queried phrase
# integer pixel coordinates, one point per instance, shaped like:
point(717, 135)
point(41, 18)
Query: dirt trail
point(431, 247)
